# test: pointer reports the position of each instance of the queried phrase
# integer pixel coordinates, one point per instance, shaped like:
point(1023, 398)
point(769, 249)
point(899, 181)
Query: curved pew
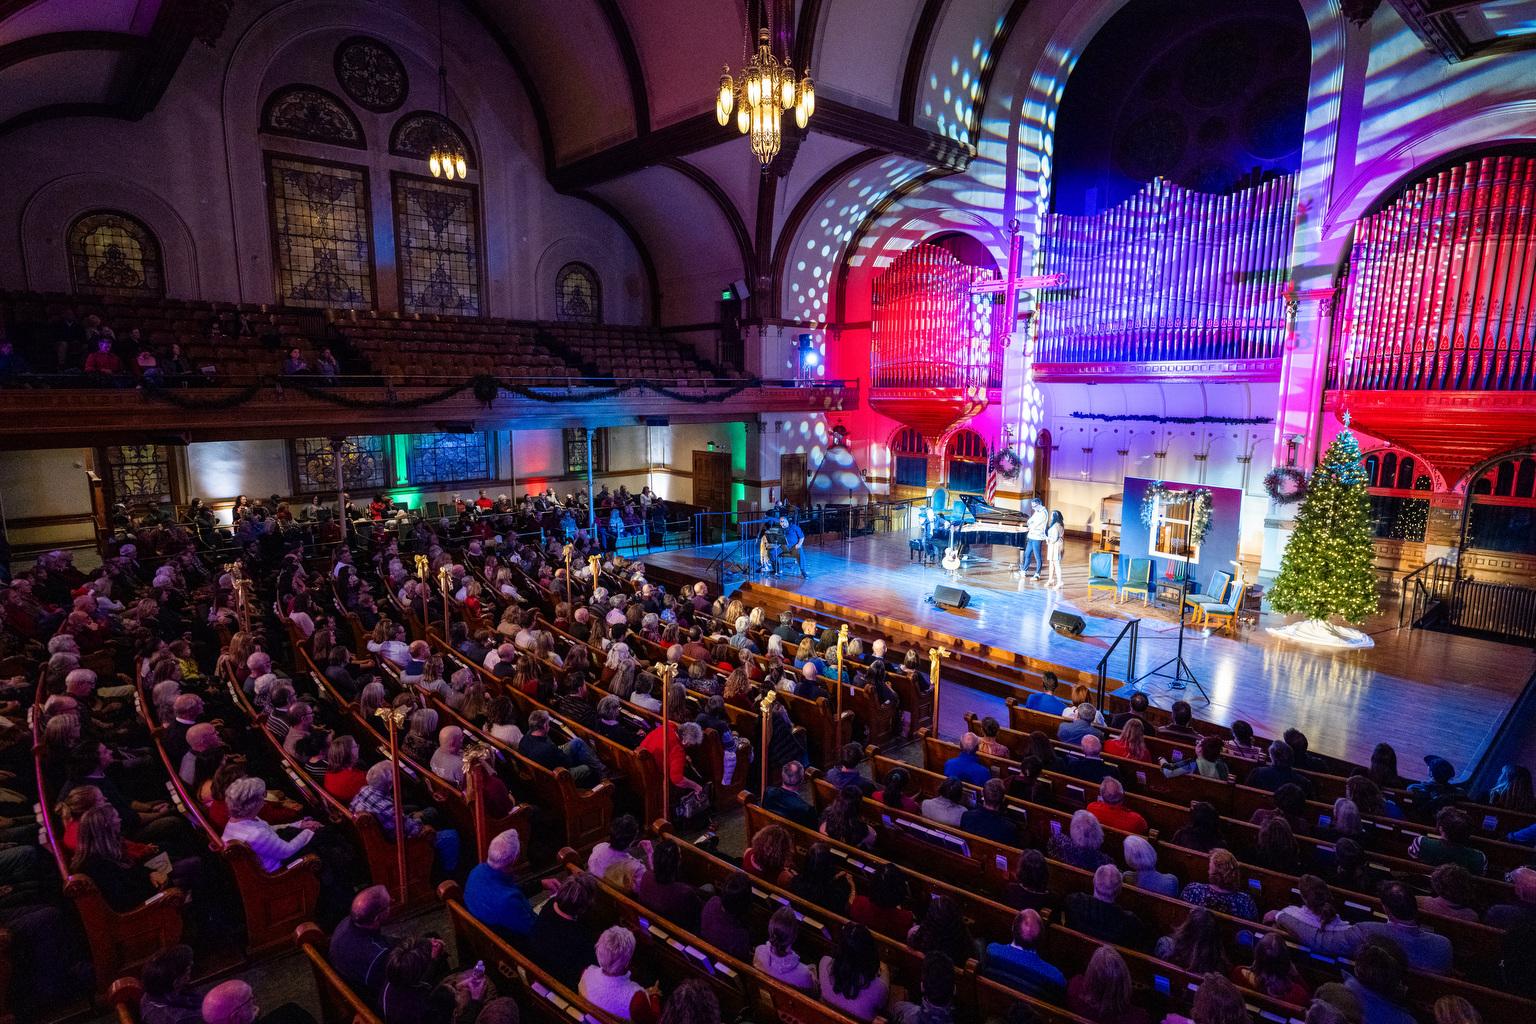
point(339, 1003)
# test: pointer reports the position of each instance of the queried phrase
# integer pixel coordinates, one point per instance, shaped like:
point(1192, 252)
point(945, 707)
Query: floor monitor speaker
point(950, 597)
point(1067, 623)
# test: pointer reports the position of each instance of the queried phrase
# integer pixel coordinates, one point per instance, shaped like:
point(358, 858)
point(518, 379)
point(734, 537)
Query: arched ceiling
point(105, 58)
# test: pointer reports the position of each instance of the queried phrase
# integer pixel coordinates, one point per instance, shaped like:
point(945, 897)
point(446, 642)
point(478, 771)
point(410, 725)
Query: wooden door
point(1043, 468)
point(712, 480)
point(712, 489)
point(793, 486)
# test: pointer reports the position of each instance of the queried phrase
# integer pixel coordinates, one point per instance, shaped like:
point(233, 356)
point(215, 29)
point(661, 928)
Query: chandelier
point(767, 89)
point(446, 159)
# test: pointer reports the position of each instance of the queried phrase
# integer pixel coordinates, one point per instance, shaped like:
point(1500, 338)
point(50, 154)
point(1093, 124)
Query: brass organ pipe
point(1523, 323)
point(1507, 186)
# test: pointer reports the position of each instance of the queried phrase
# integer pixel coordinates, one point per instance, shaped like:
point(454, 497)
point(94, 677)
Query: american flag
point(991, 485)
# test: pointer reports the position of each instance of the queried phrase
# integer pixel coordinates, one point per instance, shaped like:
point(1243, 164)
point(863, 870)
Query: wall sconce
point(1292, 442)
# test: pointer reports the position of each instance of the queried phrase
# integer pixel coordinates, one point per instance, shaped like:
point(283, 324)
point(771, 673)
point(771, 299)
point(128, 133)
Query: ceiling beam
point(524, 79)
point(727, 210)
point(917, 54)
point(805, 34)
point(51, 43)
point(177, 24)
point(843, 121)
point(57, 110)
point(633, 70)
point(679, 139)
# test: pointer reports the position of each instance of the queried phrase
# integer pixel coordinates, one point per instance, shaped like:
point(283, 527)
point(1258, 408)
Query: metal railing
point(1130, 635)
point(1423, 591)
point(125, 382)
point(1504, 610)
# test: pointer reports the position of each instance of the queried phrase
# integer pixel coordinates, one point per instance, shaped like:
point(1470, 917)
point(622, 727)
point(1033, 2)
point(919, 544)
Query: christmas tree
point(1329, 565)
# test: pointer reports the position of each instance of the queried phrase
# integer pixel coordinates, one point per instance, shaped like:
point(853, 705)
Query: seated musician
point(780, 538)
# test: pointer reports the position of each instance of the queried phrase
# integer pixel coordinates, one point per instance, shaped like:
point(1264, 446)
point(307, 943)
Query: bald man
point(1018, 965)
point(359, 948)
point(233, 1002)
point(1521, 910)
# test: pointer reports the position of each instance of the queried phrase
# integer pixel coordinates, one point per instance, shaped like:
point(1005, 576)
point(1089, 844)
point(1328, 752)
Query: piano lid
point(985, 513)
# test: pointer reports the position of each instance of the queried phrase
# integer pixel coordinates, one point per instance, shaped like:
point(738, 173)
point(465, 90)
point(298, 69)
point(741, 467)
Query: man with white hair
point(1081, 725)
point(967, 766)
point(1111, 811)
point(1090, 765)
point(245, 798)
point(491, 892)
point(448, 759)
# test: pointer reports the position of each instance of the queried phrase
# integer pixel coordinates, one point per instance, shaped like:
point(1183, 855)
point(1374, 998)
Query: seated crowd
point(182, 707)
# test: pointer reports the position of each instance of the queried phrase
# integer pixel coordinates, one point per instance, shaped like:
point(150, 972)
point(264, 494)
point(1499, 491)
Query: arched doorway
point(967, 462)
point(1041, 470)
point(1501, 507)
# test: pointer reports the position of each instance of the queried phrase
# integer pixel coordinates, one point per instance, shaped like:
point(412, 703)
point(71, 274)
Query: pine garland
point(1329, 566)
point(1158, 491)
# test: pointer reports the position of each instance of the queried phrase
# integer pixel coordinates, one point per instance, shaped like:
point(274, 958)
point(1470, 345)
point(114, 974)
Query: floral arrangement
point(1158, 491)
point(1285, 485)
point(1006, 464)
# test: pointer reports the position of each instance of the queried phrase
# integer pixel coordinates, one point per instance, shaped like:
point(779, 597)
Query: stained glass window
point(305, 112)
point(415, 134)
point(578, 294)
point(364, 465)
point(448, 458)
point(437, 229)
point(576, 451)
point(140, 473)
point(111, 253)
point(324, 241)
point(911, 453)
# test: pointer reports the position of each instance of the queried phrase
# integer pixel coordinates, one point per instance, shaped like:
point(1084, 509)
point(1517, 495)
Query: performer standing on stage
point(1055, 546)
point(1035, 540)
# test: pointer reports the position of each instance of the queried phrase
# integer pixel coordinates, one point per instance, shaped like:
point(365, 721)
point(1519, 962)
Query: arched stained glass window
point(111, 253)
point(578, 295)
point(308, 112)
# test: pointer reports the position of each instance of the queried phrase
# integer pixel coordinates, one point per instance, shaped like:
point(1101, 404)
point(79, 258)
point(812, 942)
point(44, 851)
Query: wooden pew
point(339, 1002)
point(542, 999)
point(119, 943)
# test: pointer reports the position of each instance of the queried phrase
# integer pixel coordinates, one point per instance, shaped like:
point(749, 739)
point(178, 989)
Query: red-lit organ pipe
point(1441, 285)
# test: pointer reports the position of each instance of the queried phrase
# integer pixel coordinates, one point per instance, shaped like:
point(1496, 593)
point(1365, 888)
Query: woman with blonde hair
point(1131, 743)
point(1081, 845)
point(420, 741)
point(1456, 1010)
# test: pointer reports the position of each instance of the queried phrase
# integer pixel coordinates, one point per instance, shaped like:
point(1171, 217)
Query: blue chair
point(1138, 580)
point(1101, 573)
point(1215, 593)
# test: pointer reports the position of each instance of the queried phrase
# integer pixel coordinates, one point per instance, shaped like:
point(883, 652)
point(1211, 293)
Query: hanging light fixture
point(767, 89)
point(446, 160)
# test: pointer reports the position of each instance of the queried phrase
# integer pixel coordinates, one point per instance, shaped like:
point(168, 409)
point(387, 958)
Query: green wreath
point(1157, 491)
point(1006, 464)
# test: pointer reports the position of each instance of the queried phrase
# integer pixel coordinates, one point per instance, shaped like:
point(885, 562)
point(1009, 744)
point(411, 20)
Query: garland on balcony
point(1226, 421)
point(485, 388)
point(1157, 491)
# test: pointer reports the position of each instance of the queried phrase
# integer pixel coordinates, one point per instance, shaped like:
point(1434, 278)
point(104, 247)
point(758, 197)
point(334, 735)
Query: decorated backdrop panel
point(1218, 547)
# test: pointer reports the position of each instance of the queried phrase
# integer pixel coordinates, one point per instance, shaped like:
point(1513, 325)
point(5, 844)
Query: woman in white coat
point(1055, 545)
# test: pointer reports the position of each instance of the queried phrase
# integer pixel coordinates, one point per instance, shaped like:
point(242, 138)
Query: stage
point(1344, 702)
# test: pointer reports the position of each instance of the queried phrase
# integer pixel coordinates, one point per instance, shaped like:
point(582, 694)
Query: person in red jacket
point(102, 362)
point(1111, 811)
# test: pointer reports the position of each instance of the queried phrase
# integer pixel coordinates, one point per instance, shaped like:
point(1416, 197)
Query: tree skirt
point(1324, 634)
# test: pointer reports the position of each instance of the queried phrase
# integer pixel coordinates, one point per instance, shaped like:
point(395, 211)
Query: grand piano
point(972, 521)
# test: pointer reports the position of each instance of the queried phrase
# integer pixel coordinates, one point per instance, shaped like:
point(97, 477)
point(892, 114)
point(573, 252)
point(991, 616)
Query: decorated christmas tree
point(1329, 566)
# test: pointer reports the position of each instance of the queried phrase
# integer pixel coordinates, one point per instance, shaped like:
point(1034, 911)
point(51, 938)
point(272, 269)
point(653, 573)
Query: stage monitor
point(946, 596)
point(1067, 624)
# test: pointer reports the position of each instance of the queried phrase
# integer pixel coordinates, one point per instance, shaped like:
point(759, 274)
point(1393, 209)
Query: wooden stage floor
point(1420, 691)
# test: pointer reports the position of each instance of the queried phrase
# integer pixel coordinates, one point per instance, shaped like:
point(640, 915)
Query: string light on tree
point(1329, 566)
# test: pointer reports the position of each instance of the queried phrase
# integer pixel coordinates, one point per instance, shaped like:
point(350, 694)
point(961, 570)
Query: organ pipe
point(1170, 274)
point(1441, 283)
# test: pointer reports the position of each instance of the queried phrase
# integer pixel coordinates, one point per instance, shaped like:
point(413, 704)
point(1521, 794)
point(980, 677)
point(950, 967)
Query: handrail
point(1131, 630)
point(1435, 571)
point(126, 382)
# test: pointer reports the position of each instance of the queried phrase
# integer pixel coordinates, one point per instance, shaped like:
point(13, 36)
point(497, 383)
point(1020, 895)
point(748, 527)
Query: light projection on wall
point(950, 96)
point(1169, 275)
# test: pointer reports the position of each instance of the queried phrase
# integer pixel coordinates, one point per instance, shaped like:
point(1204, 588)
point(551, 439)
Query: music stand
point(1181, 668)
